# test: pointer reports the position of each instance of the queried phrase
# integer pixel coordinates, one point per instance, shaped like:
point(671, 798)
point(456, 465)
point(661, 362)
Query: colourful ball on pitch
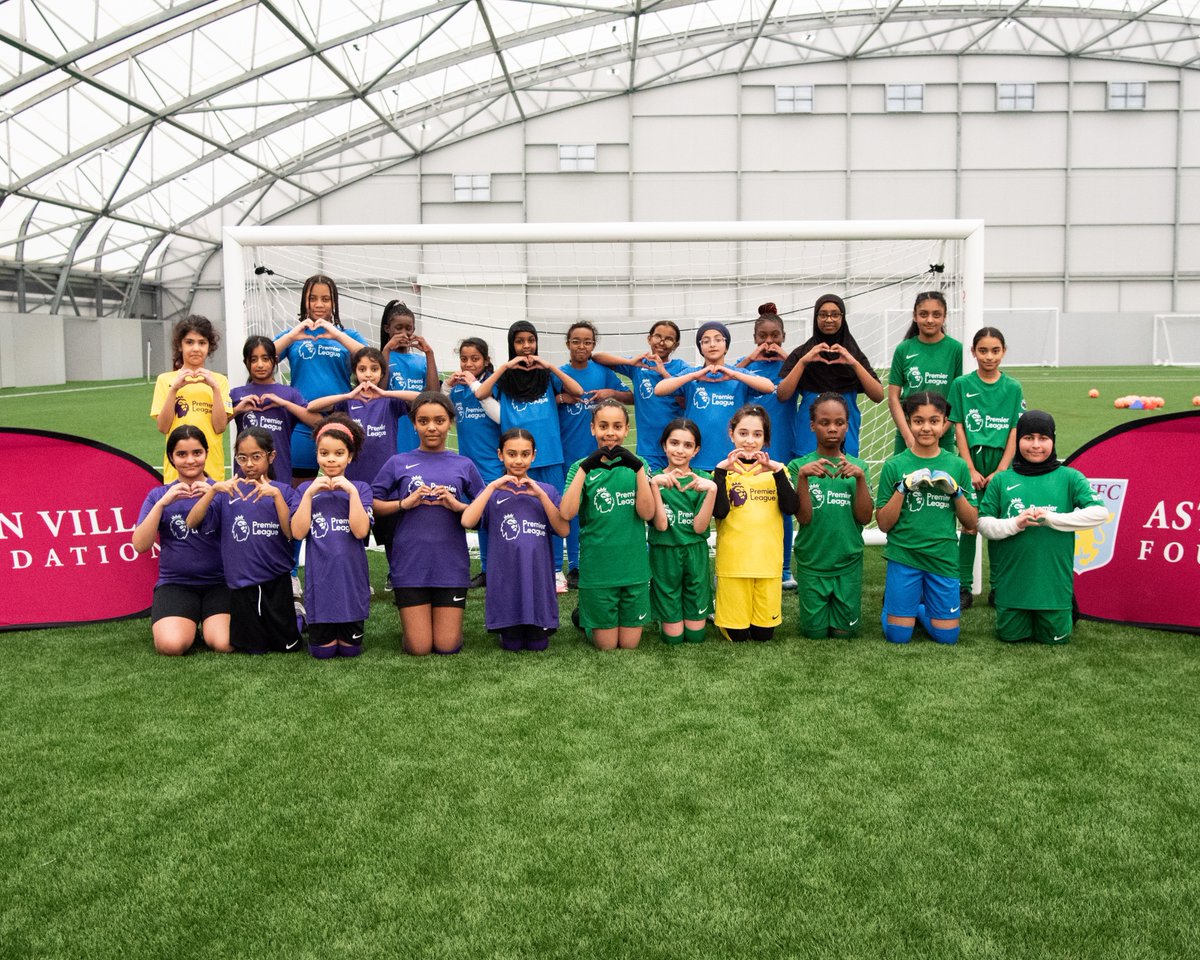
point(1093, 393)
point(1138, 404)
point(1196, 401)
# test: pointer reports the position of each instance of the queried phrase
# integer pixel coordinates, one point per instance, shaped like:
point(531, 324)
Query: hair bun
point(768, 310)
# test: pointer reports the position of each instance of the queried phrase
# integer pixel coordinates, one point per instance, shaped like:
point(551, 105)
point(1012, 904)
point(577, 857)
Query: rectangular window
point(1127, 96)
point(574, 157)
point(905, 97)
point(797, 98)
point(472, 186)
point(1015, 96)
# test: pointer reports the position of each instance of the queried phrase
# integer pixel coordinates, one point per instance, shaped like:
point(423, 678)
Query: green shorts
point(1044, 626)
point(680, 583)
point(603, 608)
point(830, 603)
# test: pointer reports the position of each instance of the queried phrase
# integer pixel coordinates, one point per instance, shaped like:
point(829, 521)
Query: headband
point(336, 426)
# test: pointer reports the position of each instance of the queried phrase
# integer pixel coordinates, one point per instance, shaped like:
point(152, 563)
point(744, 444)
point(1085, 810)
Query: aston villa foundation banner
point(1142, 566)
point(68, 507)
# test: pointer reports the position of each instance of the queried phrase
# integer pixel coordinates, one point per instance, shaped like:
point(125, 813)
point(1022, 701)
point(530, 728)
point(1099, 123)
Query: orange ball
point(1093, 393)
point(1196, 401)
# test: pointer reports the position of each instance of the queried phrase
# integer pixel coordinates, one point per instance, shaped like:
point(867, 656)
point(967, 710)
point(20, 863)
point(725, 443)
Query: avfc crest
point(700, 398)
point(241, 529)
point(915, 378)
point(320, 526)
point(1094, 548)
point(179, 527)
point(817, 494)
point(509, 528)
point(646, 389)
point(603, 501)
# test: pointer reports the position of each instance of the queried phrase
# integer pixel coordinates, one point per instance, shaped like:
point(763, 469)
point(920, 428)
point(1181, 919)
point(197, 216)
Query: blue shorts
point(907, 586)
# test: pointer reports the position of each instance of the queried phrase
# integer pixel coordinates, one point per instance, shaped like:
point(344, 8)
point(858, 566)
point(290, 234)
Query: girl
point(429, 488)
point(318, 349)
point(610, 494)
point(520, 514)
point(680, 581)
point(753, 495)
point(575, 414)
point(275, 407)
point(651, 412)
point(190, 594)
point(407, 370)
point(252, 517)
point(925, 360)
point(333, 517)
point(834, 504)
point(921, 492)
point(712, 390)
point(527, 387)
point(1030, 514)
point(830, 361)
point(190, 393)
point(984, 407)
point(478, 424)
point(767, 360)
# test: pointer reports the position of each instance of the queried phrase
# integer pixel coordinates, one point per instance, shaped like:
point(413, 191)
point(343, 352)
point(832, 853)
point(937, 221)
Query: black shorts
point(303, 473)
point(263, 617)
point(192, 603)
point(430, 596)
point(320, 634)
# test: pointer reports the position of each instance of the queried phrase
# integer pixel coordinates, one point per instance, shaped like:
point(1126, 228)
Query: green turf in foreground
point(801, 798)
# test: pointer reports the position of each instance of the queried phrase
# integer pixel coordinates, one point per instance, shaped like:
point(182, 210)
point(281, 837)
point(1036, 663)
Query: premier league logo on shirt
point(974, 421)
point(251, 418)
point(320, 526)
point(817, 494)
point(307, 350)
point(603, 501)
point(179, 527)
point(700, 398)
point(509, 529)
point(181, 407)
point(669, 514)
point(737, 494)
point(520, 406)
point(646, 389)
point(241, 529)
point(415, 482)
point(915, 379)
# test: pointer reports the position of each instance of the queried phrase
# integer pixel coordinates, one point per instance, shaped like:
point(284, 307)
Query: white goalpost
point(1176, 340)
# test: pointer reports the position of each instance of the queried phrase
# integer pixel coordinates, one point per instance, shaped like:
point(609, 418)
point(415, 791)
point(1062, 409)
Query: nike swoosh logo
point(1013, 487)
point(1063, 637)
point(505, 500)
point(642, 617)
point(456, 599)
point(909, 356)
point(293, 645)
point(356, 636)
point(954, 609)
point(852, 623)
point(972, 394)
point(409, 466)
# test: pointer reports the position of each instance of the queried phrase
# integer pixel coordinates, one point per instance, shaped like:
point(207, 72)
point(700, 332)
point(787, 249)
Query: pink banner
point(1142, 566)
point(68, 507)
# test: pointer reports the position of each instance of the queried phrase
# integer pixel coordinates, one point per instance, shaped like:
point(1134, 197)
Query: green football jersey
point(1032, 570)
point(612, 537)
point(920, 366)
point(987, 411)
point(682, 507)
point(925, 535)
point(831, 542)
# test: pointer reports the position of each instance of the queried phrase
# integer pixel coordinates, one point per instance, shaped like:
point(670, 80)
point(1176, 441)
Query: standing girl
point(830, 361)
point(610, 494)
point(680, 581)
point(333, 517)
point(407, 370)
point(925, 360)
point(922, 491)
point(527, 387)
point(275, 407)
point(192, 394)
point(1030, 515)
point(478, 424)
point(252, 517)
point(834, 504)
point(984, 407)
point(190, 594)
point(520, 514)
point(318, 349)
point(651, 412)
point(753, 495)
point(429, 488)
point(713, 391)
point(575, 415)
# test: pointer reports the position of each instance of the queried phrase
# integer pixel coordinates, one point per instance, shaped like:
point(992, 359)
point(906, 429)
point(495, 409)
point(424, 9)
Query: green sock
point(694, 636)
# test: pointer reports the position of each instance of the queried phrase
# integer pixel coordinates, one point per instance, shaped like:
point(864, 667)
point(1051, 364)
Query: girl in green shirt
point(926, 359)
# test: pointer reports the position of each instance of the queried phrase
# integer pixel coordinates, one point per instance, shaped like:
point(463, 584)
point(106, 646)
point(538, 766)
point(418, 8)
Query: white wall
point(31, 350)
point(109, 348)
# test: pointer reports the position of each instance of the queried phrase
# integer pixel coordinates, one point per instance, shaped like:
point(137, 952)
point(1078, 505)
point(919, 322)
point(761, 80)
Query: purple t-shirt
point(253, 547)
point(377, 417)
point(188, 557)
point(277, 421)
point(520, 565)
point(337, 587)
point(430, 544)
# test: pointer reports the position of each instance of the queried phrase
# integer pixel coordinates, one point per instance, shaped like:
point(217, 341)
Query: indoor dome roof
point(179, 117)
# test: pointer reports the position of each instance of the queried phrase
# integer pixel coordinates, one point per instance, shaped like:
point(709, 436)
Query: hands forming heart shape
point(367, 390)
point(520, 485)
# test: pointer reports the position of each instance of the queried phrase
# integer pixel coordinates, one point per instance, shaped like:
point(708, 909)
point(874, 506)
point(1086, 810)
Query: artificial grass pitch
point(798, 798)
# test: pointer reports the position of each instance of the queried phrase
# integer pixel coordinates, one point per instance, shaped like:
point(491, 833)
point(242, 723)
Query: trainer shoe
point(560, 583)
point(966, 599)
point(573, 578)
point(387, 584)
point(789, 582)
point(575, 619)
point(479, 580)
point(297, 590)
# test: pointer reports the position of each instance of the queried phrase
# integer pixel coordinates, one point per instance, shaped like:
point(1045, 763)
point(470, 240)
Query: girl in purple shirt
point(334, 518)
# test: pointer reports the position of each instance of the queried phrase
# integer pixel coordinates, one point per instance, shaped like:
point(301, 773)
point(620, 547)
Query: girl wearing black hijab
point(828, 361)
point(1031, 511)
point(526, 387)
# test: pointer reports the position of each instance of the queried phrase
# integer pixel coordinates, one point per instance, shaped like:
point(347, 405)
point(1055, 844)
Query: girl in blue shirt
point(407, 370)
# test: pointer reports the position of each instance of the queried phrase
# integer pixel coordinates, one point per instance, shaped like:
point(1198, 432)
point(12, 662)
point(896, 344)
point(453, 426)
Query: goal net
point(475, 281)
point(1177, 339)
